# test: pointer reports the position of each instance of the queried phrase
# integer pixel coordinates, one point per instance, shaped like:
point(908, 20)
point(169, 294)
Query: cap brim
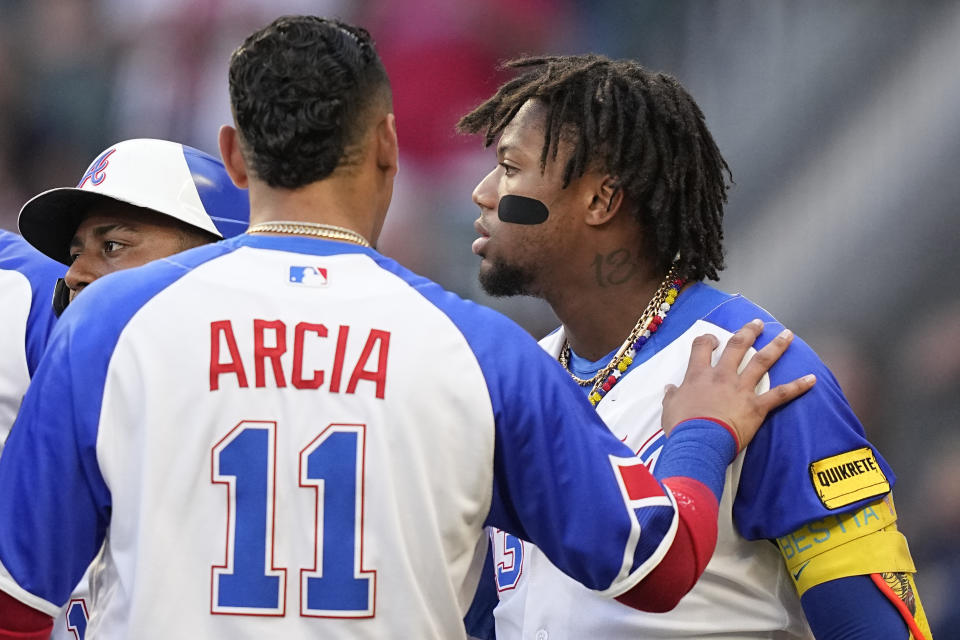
point(49, 220)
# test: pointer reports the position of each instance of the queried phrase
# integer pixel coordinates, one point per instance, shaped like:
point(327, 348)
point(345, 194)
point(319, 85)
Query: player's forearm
point(699, 449)
point(852, 608)
point(692, 467)
point(21, 622)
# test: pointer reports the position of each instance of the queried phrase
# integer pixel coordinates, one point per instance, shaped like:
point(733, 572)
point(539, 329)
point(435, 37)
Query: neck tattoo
point(648, 323)
point(315, 229)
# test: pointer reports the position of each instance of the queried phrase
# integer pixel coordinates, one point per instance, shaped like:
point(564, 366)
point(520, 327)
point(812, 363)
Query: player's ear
point(388, 149)
point(607, 198)
point(232, 158)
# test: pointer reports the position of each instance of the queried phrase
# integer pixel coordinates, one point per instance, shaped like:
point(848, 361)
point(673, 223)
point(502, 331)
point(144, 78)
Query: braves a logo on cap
point(308, 276)
point(97, 172)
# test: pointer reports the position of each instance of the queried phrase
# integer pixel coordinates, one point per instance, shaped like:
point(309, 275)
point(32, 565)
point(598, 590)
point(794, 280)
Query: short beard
point(502, 280)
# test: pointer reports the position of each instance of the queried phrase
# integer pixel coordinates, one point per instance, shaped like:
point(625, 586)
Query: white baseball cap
point(168, 177)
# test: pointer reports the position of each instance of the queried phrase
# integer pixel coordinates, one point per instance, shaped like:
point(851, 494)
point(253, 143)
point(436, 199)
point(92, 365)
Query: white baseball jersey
point(277, 437)
point(745, 591)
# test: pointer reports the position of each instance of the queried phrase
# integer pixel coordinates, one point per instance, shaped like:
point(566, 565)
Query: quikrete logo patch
point(848, 477)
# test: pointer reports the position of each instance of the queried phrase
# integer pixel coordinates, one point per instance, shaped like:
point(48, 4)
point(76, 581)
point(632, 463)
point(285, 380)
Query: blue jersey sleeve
point(53, 492)
point(479, 620)
point(561, 479)
point(42, 272)
point(49, 473)
point(851, 608)
point(811, 459)
point(556, 471)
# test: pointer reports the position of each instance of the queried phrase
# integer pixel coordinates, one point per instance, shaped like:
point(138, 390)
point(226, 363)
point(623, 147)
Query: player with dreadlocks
point(343, 490)
point(607, 201)
point(642, 126)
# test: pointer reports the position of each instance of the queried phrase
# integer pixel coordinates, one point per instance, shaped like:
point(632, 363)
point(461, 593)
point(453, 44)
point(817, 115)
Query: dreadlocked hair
point(641, 127)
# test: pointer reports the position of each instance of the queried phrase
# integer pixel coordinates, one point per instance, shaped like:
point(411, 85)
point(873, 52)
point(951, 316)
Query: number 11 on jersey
point(332, 465)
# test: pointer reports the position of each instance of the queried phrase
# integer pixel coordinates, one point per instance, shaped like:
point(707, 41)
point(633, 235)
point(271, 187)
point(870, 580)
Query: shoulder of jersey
point(124, 292)
point(736, 311)
point(476, 321)
point(799, 359)
point(16, 254)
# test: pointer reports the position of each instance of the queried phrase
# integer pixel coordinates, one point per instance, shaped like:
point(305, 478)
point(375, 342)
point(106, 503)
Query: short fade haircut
point(641, 127)
point(301, 90)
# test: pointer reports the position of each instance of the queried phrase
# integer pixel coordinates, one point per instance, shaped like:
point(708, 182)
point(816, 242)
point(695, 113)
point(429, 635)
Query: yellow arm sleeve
point(860, 543)
point(851, 544)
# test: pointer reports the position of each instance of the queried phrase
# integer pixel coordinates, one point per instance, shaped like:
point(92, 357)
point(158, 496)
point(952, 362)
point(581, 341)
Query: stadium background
point(840, 121)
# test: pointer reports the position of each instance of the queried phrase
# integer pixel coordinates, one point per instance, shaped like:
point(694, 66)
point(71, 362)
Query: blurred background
point(840, 121)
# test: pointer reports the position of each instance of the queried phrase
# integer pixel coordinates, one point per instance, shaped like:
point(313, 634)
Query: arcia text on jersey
point(319, 356)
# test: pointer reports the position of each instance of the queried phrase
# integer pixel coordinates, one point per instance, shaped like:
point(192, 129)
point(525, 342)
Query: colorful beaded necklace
point(650, 320)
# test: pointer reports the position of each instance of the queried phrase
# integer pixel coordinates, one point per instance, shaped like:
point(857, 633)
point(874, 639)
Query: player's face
point(525, 258)
point(115, 236)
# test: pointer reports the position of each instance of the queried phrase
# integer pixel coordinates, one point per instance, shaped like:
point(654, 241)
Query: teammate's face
point(525, 258)
point(116, 236)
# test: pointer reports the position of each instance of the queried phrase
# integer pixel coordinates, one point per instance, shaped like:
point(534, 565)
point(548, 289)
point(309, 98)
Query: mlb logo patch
point(308, 276)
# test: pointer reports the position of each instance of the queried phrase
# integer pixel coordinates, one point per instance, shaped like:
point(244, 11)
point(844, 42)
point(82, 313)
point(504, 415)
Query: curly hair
point(301, 89)
point(641, 127)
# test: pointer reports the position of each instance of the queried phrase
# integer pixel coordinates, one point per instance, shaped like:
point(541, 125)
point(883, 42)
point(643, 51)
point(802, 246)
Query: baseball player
point(287, 434)
point(26, 288)
point(140, 200)
point(607, 201)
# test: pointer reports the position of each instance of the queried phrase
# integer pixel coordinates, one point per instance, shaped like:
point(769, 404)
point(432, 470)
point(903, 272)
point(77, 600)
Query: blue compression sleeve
point(479, 620)
point(852, 608)
point(700, 449)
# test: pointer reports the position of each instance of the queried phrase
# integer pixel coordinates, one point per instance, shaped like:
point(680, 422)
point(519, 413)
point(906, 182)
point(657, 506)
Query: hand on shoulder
point(726, 392)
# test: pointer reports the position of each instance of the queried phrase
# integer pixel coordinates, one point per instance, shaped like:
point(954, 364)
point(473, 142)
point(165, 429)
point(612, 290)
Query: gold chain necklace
point(648, 322)
point(317, 229)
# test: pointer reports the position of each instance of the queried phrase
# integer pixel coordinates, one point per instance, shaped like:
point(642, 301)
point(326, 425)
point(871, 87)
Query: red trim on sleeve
point(899, 604)
point(733, 432)
point(689, 554)
point(639, 482)
point(19, 621)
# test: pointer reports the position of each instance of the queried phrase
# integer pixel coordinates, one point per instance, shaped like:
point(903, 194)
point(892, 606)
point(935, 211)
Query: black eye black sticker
point(522, 210)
